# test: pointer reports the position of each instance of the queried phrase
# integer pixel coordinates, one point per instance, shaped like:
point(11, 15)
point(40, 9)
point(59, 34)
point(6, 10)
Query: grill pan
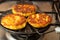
point(28, 29)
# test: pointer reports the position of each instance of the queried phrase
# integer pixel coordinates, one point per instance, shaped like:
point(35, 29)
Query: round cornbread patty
point(39, 20)
point(24, 9)
point(13, 21)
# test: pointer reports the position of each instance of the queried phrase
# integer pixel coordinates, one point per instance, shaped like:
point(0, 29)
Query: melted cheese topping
point(37, 16)
point(39, 19)
point(13, 21)
point(24, 8)
point(33, 16)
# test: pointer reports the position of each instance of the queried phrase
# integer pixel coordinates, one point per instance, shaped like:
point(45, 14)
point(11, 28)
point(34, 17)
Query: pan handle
point(2, 11)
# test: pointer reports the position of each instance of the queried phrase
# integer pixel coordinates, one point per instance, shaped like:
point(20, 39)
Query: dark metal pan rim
point(20, 32)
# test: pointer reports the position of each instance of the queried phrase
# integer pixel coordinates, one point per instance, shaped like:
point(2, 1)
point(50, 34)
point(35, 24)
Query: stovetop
point(48, 5)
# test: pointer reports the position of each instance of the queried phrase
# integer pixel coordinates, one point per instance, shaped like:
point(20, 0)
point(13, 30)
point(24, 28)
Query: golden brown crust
point(13, 21)
point(39, 20)
point(24, 9)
